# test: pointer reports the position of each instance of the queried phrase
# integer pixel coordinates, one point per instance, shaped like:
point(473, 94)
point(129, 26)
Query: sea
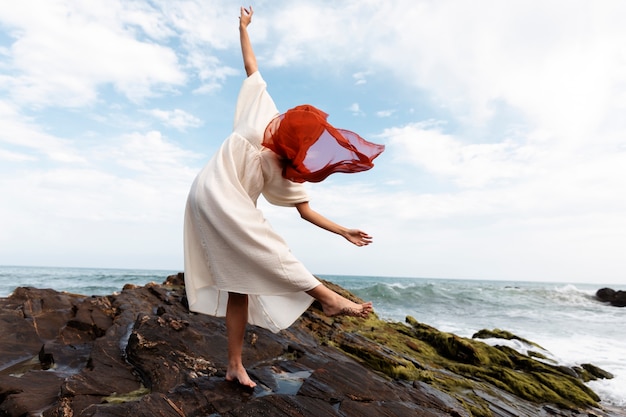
point(564, 319)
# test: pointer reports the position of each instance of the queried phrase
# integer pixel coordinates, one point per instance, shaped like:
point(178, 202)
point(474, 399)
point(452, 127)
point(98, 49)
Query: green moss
point(521, 384)
point(378, 356)
point(136, 395)
point(568, 388)
point(425, 376)
point(479, 411)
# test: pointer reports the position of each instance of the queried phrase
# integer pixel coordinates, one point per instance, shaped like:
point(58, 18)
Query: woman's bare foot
point(239, 374)
point(334, 304)
point(346, 307)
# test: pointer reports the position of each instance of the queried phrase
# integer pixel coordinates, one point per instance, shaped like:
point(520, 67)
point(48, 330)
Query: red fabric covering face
point(312, 149)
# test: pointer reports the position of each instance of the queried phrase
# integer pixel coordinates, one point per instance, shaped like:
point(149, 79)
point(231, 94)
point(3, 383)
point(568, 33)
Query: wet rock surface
point(141, 353)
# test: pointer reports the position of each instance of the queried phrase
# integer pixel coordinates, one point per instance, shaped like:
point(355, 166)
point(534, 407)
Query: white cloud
point(522, 178)
point(355, 109)
point(360, 77)
point(385, 113)
point(558, 66)
point(177, 118)
point(20, 133)
point(152, 154)
point(201, 23)
point(211, 72)
point(302, 30)
point(63, 53)
point(129, 178)
point(132, 192)
point(15, 156)
point(468, 165)
point(563, 69)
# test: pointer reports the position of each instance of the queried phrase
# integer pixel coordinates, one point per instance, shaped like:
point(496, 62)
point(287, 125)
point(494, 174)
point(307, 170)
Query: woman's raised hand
point(249, 59)
point(246, 16)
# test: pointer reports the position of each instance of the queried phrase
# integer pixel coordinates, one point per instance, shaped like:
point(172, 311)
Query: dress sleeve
point(277, 189)
point(254, 110)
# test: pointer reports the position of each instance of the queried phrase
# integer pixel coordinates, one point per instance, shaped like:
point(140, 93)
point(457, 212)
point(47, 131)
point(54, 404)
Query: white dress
point(229, 245)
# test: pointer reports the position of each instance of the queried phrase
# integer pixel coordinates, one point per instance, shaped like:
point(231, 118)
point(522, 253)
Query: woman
point(235, 264)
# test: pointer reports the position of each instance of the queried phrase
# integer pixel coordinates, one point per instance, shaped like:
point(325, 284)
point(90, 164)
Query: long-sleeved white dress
point(229, 245)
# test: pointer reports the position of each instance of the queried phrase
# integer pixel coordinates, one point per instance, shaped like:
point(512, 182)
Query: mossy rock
point(458, 365)
point(589, 372)
point(541, 356)
point(502, 334)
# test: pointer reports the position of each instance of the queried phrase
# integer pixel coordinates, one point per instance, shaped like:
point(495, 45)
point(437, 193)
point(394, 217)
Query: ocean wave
point(87, 281)
point(572, 295)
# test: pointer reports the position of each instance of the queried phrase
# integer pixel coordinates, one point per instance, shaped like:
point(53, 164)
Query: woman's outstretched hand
point(355, 236)
point(246, 16)
point(358, 237)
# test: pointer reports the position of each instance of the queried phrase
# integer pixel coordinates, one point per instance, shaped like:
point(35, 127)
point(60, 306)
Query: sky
point(503, 124)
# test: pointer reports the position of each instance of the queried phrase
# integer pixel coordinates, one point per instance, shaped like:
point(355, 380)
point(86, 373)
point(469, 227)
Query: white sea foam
point(612, 391)
point(521, 347)
point(572, 295)
point(597, 349)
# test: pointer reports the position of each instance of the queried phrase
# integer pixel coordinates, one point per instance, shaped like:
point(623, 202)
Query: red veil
point(312, 149)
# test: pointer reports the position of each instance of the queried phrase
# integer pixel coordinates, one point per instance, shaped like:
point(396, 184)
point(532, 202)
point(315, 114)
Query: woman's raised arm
point(249, 59)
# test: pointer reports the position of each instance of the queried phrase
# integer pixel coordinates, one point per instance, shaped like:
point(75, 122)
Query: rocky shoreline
point(140, 352)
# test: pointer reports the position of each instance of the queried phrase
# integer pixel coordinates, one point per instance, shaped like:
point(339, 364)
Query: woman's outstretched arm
point(355, 236)
point(249, 59)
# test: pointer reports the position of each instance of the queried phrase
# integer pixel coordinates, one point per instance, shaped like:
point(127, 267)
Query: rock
point(619, 299)
point(595, 372)
point(605, 294)
point(140, 352)
point(502, 334)
point(609, 295)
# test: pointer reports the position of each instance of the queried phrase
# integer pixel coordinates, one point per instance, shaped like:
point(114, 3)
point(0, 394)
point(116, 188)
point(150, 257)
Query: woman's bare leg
point(236, 321)
point(334, 304)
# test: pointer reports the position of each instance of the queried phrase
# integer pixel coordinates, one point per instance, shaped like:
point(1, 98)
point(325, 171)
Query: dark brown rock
point(22, 395)
point(605, 294)
point(609, 295)
point(620, 299)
